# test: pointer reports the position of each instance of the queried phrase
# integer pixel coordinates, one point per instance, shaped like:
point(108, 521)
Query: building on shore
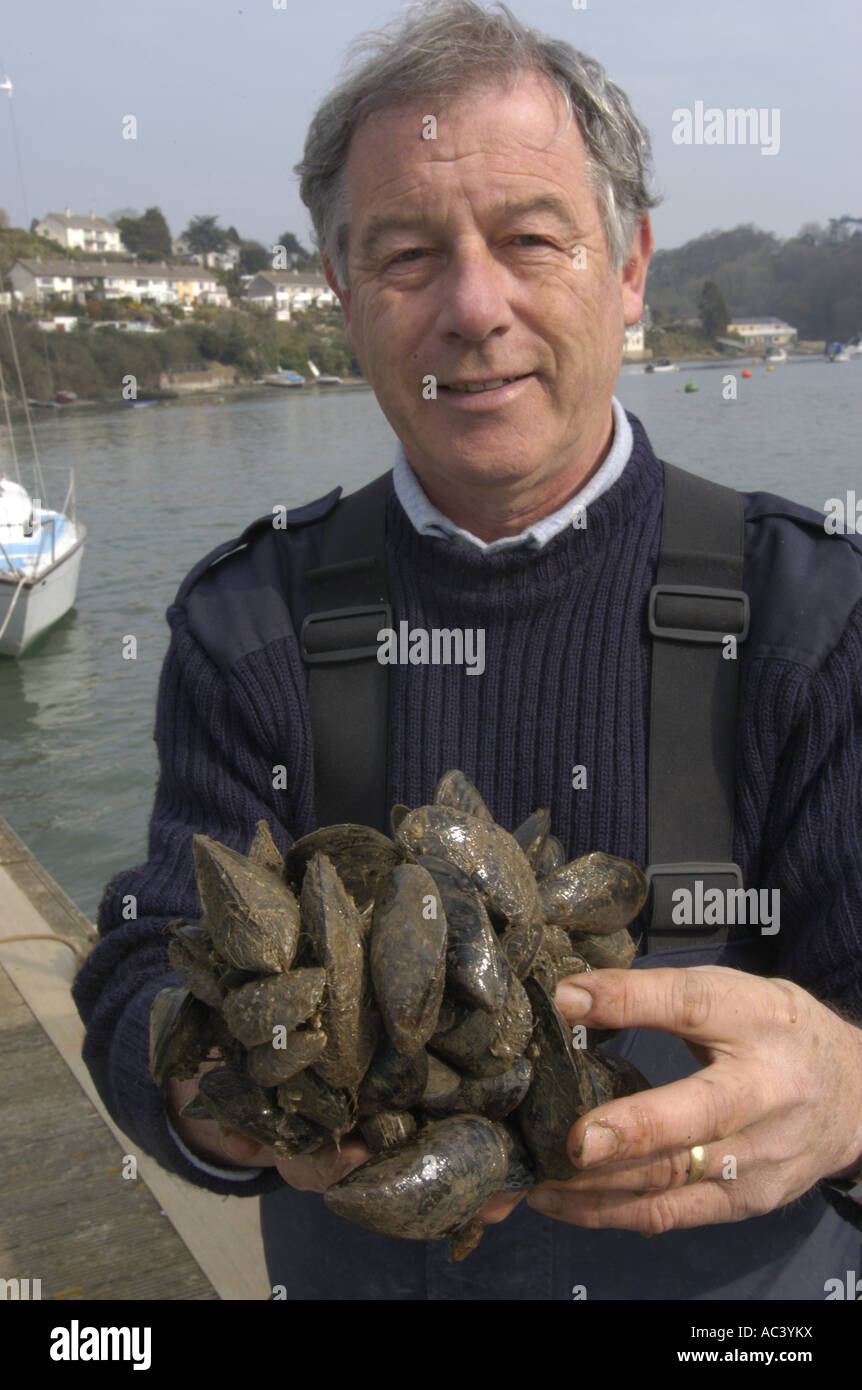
point(762, 333)
point(286, 292)
point(92, 233)
point(34, 281)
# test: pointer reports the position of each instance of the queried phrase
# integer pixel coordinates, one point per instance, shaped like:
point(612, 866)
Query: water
point(158, 488)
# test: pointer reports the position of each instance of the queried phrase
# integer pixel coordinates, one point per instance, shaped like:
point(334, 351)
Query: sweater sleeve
point(811, 846)
point(216, 735)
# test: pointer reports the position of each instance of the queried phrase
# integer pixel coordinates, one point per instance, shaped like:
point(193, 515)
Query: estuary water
point(159, 487)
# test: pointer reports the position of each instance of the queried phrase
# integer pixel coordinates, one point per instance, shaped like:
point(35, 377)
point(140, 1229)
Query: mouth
point(475, 387)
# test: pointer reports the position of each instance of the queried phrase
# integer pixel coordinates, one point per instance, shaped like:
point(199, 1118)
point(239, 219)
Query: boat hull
point(41, 602)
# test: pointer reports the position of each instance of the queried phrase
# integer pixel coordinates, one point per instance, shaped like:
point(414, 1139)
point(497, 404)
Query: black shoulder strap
point(698, 614)
point(347, 685)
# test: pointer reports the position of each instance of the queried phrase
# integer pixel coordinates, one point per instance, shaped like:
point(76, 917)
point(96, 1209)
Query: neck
point(496, 508)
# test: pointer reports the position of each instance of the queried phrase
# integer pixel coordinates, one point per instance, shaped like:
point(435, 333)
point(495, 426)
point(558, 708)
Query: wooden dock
point(70, 1214)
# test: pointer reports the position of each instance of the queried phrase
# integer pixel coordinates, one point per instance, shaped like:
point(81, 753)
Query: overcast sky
point(223, 91)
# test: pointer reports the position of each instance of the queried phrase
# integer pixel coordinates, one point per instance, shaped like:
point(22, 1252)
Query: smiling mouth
point(473, 386)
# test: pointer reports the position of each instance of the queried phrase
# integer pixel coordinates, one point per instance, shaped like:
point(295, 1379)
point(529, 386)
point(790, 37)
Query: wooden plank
point(222, 1233)
point(70, 1218)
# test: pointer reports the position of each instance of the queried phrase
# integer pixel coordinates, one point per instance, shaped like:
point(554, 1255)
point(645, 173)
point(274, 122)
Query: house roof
point(97, 270)
point(763, 322)
point(85, 223)
point(294, 277)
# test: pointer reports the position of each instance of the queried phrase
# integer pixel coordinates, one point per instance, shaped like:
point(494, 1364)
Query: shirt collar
point(428, 521)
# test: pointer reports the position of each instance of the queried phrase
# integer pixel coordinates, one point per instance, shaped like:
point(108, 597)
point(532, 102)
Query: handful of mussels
point(402, 990)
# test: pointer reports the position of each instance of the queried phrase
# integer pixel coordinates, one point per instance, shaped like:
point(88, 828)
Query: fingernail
point(238, 1146)
point(547, 1202)
point(600, 1143)
point(572, 1001)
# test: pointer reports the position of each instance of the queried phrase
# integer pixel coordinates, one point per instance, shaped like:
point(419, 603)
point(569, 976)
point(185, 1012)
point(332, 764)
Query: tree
point(713, 310)
point(204, 234)
point(292, 246)
point(148, 237)
point(253, 257)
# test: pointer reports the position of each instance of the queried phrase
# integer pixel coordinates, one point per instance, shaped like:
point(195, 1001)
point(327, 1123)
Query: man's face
point(476, 289)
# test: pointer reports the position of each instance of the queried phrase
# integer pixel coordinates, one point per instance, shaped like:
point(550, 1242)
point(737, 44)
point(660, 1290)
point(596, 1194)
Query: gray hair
point(436, 50)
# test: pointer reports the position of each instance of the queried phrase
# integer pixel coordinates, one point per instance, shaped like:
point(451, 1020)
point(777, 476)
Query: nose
point(474, 293)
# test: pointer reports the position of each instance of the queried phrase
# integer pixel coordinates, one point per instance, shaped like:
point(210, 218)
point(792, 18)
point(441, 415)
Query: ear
point(634, 272)
point(343, 295)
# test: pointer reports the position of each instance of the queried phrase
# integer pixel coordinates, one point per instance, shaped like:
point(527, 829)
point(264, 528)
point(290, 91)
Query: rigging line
point(17, 150)
point(9, 425)
point(37, 466)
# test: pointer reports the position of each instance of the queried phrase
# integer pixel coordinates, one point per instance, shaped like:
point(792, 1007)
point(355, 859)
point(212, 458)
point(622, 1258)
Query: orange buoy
point(747, 372)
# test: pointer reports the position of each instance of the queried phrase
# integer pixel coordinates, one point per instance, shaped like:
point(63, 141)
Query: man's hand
point(222, 1146)
point(778, 1103)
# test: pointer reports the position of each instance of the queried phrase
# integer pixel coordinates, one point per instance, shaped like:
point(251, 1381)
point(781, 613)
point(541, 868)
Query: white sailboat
point(322, 378)
point(40, 549)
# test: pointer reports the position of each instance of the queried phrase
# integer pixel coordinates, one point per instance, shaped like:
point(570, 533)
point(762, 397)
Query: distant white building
point(35, 281)
point(91, 233)
point(291, 290)
point(634, 345)
point(766, 332)
point(213, 260)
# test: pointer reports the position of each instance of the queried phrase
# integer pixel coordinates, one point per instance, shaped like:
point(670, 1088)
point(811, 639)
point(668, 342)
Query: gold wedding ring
point(697, 1164)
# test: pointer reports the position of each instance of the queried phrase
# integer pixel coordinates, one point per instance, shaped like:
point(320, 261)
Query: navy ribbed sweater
point(566, 683)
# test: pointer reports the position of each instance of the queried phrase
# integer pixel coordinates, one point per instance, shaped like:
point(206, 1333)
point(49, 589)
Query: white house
point(35, 281)
point(82, 233)
point(766, 332)
point(634, 345)
point(291, 290)
point(213, 260)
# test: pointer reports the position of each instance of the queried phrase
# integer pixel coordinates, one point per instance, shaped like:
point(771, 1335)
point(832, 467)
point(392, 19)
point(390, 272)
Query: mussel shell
point(477, 971)
point(441, 1090)
point(196, 970)
point(455, 789)
point(307, 1095)
point(622, 1078)
point(487, 853)
point(481, 1045)
point(264, 851)
point(562, 1088)
point(522, 1174)
point(430, 1186)
point(361, 856)
point(297, 1135)
point(387, 1129)
point(615, 952)
point(551, 857)
point(532, 835)
point(254, 1010)
point(182, 1033)
point(408, 955)
point(236, 1101)
point(494, 1096)
point(269, 1065)
point(598, 893)
point(252, 916)
point(393, 1081)
point(335, 933)
point(521, 945)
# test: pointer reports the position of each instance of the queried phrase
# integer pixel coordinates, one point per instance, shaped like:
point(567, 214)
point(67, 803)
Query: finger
point(722, 1099)
point(704, 1204)
point(499, 1207)
point(704, 1004)
point(665, 1172)
point(239, 1148)
point(321, 1170)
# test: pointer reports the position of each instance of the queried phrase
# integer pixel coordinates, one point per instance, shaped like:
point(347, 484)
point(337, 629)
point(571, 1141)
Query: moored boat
point(40, 561)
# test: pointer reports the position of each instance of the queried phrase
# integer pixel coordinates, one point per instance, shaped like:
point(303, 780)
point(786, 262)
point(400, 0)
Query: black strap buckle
point(324, 645)
point(698, 634)
point(725, 877)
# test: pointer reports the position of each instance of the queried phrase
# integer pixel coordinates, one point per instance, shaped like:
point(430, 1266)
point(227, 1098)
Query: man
point(501, 242)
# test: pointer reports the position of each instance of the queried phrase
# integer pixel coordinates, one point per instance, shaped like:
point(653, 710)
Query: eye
point(534, 237)
point(413, 251)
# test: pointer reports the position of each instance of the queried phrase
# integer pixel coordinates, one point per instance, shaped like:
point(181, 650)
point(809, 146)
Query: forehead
point(490, 130)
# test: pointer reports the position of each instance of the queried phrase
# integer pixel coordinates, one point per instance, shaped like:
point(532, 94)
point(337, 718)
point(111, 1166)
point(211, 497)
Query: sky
point(223, 90)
